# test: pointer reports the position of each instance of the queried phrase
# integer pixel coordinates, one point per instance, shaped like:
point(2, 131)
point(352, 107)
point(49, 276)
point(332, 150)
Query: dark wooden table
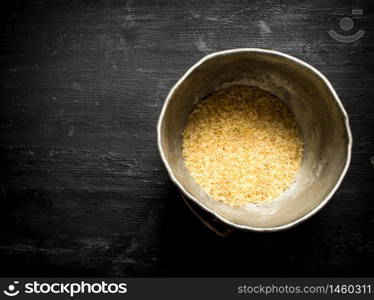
point(83, 190)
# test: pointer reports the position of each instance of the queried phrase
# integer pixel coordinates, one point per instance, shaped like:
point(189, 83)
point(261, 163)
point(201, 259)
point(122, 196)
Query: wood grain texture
point(83, 191)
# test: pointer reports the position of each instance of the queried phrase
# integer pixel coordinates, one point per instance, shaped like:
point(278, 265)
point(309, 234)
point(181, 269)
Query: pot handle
point(215, 225)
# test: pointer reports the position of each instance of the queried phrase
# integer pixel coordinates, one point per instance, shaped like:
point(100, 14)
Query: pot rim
point(293, 59)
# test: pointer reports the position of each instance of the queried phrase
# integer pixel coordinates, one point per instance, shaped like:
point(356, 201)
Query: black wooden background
point(83, 190)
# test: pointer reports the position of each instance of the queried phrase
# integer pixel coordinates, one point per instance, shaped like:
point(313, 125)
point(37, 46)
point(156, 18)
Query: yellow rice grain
point(242, 145)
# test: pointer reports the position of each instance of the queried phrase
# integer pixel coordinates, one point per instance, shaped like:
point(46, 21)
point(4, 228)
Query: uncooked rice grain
point(242, 145)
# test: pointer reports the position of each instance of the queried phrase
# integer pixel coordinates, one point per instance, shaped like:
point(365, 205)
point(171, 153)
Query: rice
point(242, 145)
